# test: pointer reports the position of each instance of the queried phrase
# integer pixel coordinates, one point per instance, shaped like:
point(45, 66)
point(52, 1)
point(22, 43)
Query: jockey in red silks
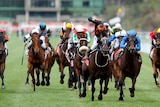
point(153, 42)
point(6, 38)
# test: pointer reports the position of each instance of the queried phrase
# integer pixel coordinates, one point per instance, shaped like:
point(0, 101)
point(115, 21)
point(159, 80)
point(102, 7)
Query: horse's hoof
point(42, 83)
point(83, 94)
point(105, 91)
point(120, 98)
point(80, 95)
point(38, 84)
point(62, 81)
point(70, 85)
point(132, 95)
point(100, 97)
point(3, 87)
point(90, 88)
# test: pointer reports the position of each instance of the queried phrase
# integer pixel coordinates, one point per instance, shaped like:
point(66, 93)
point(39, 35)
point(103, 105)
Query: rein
point(97, 62)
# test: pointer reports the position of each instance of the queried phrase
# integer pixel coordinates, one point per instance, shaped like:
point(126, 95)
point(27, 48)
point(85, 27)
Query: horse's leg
point(70, 80)
point(2, 77)
point(48, 76)
point(84, 87)
point(132, 89)
point(155, 74)
point(121, 82)
point(106, 85)
point(93, 88)
point(33, 79)
point(100, 97)
point(37, 73)
point(27, 79)
point(61, 68)
point(43, 77)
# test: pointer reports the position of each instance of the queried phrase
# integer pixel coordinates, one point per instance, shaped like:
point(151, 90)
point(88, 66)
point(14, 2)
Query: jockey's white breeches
point(116, 45)
point(43, 45)
point(94, 45)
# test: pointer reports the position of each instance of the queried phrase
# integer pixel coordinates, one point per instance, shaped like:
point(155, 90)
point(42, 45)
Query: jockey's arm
point(75, 38)
point(88, 37)
point(112, 38)
point(123, 42)
point(26, 37)
point(138, 46)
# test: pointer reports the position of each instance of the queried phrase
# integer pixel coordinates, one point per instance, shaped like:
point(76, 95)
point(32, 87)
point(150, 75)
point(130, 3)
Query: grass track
point(17, 94)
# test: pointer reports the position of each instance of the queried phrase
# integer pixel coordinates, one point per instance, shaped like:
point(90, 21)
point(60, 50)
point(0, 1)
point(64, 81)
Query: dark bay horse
point(129, 66)
point(2, 59)
point(62, 60)
point(155, 59)
point(36, 58)
point(100, 67)
point(78, 61)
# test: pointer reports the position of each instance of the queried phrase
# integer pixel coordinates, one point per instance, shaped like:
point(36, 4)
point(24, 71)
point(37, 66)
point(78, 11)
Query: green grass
point(17, 94)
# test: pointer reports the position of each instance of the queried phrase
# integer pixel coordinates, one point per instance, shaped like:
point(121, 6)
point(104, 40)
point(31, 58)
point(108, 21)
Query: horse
point(78, 61)
point(36, 59)
point(155, 59)
point(114, 57)
point(62, 60)
point(2, 59)
point(50, 59)
point(128, 66)
point(100, 67)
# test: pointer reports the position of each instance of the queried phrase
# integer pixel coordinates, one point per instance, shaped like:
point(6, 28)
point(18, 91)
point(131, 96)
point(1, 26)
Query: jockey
point(42, 29)
point(116, 37)
point(153, 42)
point(101, 28)
point(3, 33)
point(152, 36)
point(117, 27)
point(66, 27)
point(138, 43)
point(76, 34)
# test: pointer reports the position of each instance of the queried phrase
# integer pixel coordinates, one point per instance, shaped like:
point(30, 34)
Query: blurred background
point(21, 16)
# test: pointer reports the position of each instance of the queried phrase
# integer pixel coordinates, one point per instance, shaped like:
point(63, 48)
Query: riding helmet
point(42, 26)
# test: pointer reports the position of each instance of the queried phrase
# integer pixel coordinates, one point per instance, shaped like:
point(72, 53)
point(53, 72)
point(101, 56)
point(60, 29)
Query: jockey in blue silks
point(138, 42)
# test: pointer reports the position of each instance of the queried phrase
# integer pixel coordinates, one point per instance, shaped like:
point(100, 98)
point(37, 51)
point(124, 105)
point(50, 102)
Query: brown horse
point(128, 66)
point(2, 59)
point(155, 59)
point(115, 58)
point(36, 58)
point(50, 59)
point(100, 67)
point(62, 60)
point(78, 61)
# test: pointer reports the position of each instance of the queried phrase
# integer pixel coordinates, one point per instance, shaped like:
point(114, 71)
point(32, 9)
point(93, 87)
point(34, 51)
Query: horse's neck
point(157, 51)
point(127, 56)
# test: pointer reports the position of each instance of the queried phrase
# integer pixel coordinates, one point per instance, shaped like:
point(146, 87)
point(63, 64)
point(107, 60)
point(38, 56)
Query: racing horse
point(115, 59)
point(2, 58)
point(62, 60)
point(36, 59)
point(100, 67)
point(80, 58)
point(49, 61)
point(155, 58)
point(128, 66)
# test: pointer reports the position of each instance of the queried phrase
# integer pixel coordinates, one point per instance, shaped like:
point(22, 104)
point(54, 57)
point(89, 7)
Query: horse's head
point(131, 43)
point(2, 41)
point(35, 43)
point(103, 45)
point(157, 40)
point(83, 45)
point(66, 34)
